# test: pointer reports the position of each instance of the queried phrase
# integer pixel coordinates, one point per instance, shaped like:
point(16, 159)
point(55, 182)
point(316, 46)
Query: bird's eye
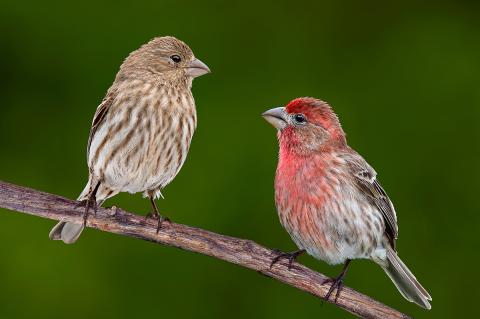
point(176, 58)
point(300, 119)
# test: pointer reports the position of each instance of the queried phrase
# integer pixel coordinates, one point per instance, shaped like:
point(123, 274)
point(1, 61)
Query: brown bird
point(329, 199)
point(141, 132)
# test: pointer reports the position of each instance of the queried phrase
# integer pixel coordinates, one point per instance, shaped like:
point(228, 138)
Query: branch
point(242, 252)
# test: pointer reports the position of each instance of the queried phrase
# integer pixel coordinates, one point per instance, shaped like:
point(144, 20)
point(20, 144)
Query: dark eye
point(176, 58)
point(300, 118)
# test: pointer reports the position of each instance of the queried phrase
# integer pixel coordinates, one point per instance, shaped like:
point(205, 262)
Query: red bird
point(329, 200)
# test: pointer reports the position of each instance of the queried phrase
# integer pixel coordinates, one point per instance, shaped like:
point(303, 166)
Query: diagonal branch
point(242, 252)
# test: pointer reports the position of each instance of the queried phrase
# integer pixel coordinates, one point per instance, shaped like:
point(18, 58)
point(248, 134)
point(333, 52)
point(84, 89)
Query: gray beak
point(197, 68)
point(277, 117)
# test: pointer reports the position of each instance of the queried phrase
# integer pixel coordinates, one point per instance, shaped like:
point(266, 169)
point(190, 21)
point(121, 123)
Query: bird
point(329, 200)
point(142, 130)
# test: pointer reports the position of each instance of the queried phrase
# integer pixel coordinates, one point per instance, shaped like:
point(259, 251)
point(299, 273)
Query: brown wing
point(369, 185)
point(99, 116)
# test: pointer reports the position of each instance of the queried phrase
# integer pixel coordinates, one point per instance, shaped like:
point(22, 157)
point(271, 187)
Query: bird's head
point(164, 58)
point(306, 125)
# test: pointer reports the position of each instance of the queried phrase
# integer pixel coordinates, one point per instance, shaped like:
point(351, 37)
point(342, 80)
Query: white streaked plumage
point(142, 130)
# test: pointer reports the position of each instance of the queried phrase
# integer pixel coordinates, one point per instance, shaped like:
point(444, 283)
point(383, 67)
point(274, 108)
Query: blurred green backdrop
point(403, 77)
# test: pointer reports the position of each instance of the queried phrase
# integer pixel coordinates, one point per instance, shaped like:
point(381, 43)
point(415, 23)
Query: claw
point(336, 283)
point(161, 219)
point(90, 202)
point(87, 203)
point(155, 214)
point(291, 256)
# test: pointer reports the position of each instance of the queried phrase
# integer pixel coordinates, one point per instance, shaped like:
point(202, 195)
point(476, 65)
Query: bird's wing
point(365, 177)
point(99, 116)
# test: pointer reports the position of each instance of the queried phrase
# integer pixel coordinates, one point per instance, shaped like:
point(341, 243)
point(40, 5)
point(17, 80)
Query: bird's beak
point(277, 117)
point(197, 68)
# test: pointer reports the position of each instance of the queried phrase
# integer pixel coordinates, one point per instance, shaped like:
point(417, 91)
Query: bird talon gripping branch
point(335, 284)
point(291, 256)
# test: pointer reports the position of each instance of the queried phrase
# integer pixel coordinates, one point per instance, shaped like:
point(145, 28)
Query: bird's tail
point(405, 281)
point(69, 232)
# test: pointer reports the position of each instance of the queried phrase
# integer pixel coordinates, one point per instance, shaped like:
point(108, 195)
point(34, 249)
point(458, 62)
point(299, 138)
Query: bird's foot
point(160, 219)
point(336, 283)
point(88, 203)
point(291, 256)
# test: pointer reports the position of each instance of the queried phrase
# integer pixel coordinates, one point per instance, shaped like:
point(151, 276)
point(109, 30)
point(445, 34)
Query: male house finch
point(141, 132)
point(329, 200)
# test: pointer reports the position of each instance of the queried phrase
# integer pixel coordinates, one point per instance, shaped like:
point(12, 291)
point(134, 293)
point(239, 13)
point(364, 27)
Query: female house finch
point(329, 200)
point(141, 132)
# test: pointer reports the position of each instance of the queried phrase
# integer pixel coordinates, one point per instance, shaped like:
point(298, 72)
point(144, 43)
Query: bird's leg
point(291, 256)
point(90, 202)
point(336, 283)
point(155, 214)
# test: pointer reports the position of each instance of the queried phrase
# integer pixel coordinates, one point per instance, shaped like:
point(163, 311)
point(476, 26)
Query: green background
point(403, 77)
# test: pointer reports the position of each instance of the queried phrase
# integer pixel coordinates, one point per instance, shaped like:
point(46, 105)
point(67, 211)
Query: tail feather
point(405, 281)
point(68, 232)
